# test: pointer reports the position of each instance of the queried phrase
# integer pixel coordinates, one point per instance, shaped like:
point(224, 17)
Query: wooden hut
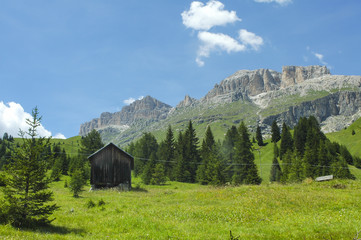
point(110, 167)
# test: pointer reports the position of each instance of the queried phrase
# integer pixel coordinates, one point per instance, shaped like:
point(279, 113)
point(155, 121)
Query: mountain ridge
point(263, 94)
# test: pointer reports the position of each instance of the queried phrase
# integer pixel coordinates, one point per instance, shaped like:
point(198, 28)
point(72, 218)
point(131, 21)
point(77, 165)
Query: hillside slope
point(257, 97)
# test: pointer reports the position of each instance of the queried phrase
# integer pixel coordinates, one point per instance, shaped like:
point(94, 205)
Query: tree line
point(305, 154)
point(183, 160)
point(308, 153)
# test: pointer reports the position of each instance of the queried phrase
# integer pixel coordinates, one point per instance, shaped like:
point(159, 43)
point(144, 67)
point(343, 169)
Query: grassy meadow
point(310, 210)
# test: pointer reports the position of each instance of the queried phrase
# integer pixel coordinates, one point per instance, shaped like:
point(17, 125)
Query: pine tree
point(295, 169)
point(286, 140)
point(166, 152)
point(324, 161)
point(286, 166)
point(191, 154)
point(245, 170)
point(77, 182)
point(181, 174)
point(158, 176)
point(145, 146)
point(228, 151)
point(300, 135)
point(27, 192)
point(91, 143)
point(276, 173)
point(149, 169)
point(346, 154)
point(212, 168)
point(56, 170)
point(276, 134)
point(259, 137)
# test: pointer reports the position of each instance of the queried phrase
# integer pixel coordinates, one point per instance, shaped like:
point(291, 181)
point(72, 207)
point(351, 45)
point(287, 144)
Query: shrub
point(90, 204)
point(77, 182)
point(101, 202)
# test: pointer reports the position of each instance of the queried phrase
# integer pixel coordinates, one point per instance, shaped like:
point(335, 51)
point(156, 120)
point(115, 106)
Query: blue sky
point(77, 59)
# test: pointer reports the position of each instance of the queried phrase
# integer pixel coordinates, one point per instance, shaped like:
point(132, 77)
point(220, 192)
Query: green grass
point(329, 210)
point(345, 137)
point(71, 145)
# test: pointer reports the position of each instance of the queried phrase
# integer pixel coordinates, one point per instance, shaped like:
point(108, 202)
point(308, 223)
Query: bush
point(90, 204)
point(101, 202)
point(77, 183)
point(2, 180)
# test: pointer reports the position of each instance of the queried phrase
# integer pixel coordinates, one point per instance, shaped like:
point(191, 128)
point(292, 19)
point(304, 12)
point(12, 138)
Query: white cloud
point(251, 39)
point(59, 136)
point(216, 42)
point(13, 117)
point(131, 100)
point(204, 17)
point(281, 2)
point(319, 56)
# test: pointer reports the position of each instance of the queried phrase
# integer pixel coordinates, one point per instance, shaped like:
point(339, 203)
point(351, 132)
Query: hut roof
point(111, 144)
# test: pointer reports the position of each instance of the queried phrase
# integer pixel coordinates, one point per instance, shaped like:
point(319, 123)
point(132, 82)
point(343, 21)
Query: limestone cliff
point(292, 75)
point(246, 83)
point(146, 109)
point(345, 103)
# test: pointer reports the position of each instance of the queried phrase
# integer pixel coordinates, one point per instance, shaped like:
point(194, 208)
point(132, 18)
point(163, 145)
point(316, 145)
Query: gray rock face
point(340, 103)
point(246, 82)
point(292, 75)
point(250, 83)
point(188, 101)
point(147, 109)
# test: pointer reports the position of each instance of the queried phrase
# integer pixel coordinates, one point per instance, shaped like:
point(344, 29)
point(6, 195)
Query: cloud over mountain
point(216, 41)
point(204, 17)
point(251, 39)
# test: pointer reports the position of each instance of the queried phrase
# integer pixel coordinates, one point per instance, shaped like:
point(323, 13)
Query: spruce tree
point(228, 151)
point(245, 170)
point(166, 152)
point(324, 161)
point(144, 148)
point(91, 143)
point(149, 169)
point(286, 166)
point(77, 182)
point(191, 153)
point(275, 130)
point(181, 172)
point(158, 176)
point(295, 173)
point(212, 167)
point(300, 135)
point(56, 170)
point(259, 137)
point(27, 192)
point(276, 173)
point(286, 140)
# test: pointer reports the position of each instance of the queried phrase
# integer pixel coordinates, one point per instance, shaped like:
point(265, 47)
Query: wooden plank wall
point(110, 167)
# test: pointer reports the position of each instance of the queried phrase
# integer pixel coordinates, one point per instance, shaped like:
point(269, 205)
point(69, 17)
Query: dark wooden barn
point(110, 167)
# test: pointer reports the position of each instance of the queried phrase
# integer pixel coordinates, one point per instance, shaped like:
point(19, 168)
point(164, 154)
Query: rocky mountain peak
point(292, 75)
point(188, 101)
point(146, 109)
point(147, 103)
point(245, 83)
